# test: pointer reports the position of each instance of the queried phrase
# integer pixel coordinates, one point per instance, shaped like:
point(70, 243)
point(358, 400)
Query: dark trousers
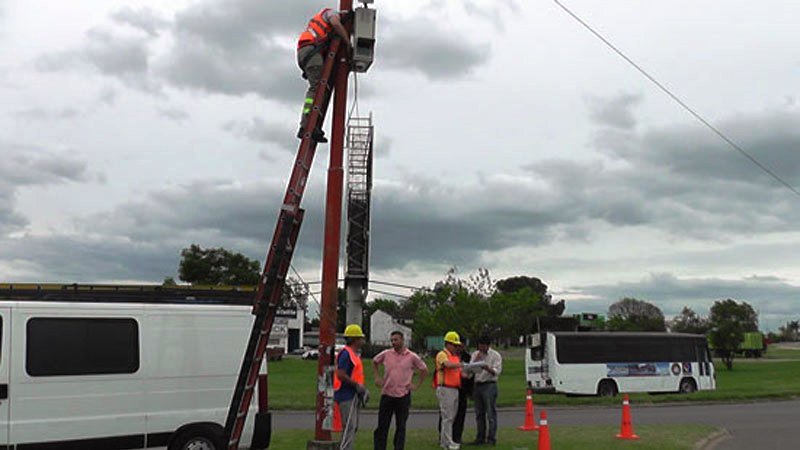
point(461, 415)
point(397, 406)
point(486, 411)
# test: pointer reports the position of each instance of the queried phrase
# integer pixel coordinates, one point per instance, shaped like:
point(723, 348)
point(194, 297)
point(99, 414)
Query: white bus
point(83, 371)
point(606, 363)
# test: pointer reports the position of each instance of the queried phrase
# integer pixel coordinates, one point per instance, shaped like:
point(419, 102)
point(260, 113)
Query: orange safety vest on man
point(448, 377)
point(358, 369)
point(317, 31)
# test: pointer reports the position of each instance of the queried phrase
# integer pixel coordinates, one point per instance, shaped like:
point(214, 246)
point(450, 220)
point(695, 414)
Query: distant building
point(382, 325)
point(287, 330)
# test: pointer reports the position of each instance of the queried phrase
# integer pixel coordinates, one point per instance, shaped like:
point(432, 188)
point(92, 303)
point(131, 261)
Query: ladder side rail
point(259, 339)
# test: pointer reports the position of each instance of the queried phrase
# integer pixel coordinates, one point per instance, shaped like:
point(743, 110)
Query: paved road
point(763, 426)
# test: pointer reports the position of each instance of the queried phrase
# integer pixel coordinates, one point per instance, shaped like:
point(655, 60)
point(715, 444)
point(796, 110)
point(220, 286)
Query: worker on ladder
point(348, 384)
point(311, 50)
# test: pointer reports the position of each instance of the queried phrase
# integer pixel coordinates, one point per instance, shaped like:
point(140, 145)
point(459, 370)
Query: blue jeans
point(486, 411)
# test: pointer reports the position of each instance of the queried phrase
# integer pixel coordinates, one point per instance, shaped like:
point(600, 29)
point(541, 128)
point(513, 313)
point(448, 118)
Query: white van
point(129, 375)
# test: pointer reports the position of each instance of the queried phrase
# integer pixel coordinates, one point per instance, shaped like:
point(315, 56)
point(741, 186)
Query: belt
point(481, 383)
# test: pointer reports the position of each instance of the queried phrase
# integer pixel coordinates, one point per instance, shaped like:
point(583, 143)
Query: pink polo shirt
point(398, 371)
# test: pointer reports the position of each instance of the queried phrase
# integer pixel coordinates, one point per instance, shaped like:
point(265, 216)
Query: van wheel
point(607, 388)
point(196, 439)
point(687, 386)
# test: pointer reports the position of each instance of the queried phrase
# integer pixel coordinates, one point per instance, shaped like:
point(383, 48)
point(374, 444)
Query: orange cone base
point(629, 437)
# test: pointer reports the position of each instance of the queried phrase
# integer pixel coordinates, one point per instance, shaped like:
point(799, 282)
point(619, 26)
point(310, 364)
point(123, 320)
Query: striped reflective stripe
point(625, 402)
point(543, 423)
point(306, 110)
point(309, 100)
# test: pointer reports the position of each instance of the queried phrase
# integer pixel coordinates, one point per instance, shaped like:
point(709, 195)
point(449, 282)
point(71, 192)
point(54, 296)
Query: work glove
point(363, 397)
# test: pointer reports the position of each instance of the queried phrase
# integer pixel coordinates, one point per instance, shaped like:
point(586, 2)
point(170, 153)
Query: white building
point(382, 325)
point(287, 330)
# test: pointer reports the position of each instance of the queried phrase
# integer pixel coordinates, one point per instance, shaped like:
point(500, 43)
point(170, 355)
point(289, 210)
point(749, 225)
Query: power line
point(680, 102)
point(404, 286)
point(305, 285)
point(389, 293)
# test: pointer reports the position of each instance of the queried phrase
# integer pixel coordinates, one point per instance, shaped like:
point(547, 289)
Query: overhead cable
point(680, 102)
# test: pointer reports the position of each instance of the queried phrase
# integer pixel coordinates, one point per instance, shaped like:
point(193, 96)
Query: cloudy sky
point(508, 138)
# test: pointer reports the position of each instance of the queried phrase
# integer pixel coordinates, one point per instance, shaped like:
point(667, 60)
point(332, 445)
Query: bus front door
point(705, 369)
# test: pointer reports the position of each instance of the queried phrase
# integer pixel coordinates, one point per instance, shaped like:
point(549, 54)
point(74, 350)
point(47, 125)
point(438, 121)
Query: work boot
point(317, 135)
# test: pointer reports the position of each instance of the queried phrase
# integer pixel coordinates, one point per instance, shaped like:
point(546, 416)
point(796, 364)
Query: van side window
point(81, 346)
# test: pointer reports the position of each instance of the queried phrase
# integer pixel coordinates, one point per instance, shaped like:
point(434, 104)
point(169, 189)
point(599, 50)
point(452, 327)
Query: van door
point(5, 403)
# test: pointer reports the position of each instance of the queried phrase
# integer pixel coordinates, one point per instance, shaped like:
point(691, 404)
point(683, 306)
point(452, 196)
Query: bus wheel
point(687, 386)
point(607, 388)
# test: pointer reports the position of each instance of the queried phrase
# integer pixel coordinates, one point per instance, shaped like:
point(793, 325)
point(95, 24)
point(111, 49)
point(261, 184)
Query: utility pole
point(330, 254)
point(361, 26)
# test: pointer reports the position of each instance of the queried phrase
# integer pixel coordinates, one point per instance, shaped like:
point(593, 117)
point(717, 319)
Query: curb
point(585, 406)
point(710, 442)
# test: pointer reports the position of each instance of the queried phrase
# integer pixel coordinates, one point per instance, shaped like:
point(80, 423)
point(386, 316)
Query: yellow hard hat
point(353, 331)
point(452, 337)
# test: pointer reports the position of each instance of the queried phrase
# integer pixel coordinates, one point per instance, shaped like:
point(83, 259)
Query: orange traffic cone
point(337, 418)
point(544, 432)
point(626, 431)
point(530, 421)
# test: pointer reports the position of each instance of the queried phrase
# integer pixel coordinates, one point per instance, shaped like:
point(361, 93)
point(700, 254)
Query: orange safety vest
point(317, 31)
point(358, 369)
point(449, 377)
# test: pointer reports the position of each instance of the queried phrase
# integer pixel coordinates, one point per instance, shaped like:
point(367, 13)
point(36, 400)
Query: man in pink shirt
point(399, 364)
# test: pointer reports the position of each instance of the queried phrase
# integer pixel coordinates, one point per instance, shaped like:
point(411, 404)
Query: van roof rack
point(125, 293)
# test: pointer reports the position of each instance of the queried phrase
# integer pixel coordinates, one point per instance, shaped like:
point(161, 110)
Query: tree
point(217, 266)
point(729, 322)
point(791, 331)
point(537, 289)
point(169, 282)
point(689, 322)
point(630, 314)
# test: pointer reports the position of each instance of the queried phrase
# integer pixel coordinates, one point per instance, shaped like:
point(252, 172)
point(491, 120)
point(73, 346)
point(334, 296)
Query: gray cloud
point(427, 221)
point(174, 114)
point(48, 115)
point(143, 19)
point(772, 296)
point(493, 12)
point(237, 48)
point(258, 130)
point(31, 166)
point(614, 112)
point(408, 46)
point(124, 58)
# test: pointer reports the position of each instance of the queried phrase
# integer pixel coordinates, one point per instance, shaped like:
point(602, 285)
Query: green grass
point(292, 385)
point(653, 437)
point(777, 352)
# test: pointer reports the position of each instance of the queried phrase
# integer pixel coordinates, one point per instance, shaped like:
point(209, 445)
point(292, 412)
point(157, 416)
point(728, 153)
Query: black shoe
point(319, 136)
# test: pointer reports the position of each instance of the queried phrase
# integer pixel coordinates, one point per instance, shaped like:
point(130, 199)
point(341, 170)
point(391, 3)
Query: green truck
point(752, 346)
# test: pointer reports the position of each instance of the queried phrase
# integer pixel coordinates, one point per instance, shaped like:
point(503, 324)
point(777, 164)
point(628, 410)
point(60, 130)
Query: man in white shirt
point(485, 395)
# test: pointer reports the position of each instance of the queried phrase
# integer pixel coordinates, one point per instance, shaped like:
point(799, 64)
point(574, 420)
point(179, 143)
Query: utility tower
point(360, 134)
